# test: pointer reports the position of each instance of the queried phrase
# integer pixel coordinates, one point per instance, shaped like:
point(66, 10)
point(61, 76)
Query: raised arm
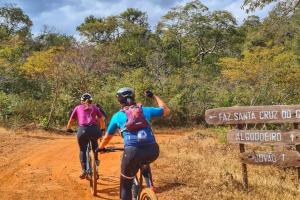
point(162, 104)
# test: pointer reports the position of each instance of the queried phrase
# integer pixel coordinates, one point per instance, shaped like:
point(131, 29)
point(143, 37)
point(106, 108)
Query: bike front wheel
point(147, 194)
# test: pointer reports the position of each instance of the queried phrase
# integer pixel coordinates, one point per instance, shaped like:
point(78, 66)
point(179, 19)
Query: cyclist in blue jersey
point(133, 120)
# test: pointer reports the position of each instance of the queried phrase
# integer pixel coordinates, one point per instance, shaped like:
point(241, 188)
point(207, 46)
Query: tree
point(48, 66)
point(199, 32)
point(276, 29)
point(13, 21)
point(289, 6)
point(133, 17)
point(251, 23)
point(49, 38)
point(99, 30)
point(262, 76)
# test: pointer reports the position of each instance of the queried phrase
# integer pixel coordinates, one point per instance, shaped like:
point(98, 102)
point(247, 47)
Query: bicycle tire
point(90, 173)
point(95, 178)
point(147, 194)
point(93, 175)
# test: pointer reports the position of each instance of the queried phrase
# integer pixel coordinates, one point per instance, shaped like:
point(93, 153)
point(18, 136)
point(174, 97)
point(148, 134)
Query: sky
point(64, 16)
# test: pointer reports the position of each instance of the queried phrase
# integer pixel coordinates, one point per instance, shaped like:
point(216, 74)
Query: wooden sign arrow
point(263, 137)
point(280, 159)
point(254, 114)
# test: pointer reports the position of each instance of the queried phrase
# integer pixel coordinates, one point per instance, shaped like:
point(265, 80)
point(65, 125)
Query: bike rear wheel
point(89, 175)
point(147, 194)
point(93, 175)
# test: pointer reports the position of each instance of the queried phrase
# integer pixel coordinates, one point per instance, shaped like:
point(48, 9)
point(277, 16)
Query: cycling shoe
point(97, 162)
point(83, 174)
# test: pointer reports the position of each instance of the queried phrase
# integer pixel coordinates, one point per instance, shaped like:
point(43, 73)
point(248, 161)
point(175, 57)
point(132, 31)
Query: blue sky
point(64, 15)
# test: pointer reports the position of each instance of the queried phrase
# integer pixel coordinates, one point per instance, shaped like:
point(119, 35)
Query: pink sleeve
point(98, 113)
point(74, 114)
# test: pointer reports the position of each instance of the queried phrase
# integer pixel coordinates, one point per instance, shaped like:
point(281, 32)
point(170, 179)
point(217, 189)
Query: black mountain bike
point(139, 192)
point(91, 167)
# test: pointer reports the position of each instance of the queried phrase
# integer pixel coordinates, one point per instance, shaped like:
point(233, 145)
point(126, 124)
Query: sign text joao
point(263, 137)
point(253, 114)
point(281, 159)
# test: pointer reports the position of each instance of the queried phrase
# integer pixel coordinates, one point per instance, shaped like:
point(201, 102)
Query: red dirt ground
point(41, 165)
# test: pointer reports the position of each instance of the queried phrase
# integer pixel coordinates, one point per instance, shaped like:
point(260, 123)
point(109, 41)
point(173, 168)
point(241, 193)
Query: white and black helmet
point(86, 96)
point(126, 95)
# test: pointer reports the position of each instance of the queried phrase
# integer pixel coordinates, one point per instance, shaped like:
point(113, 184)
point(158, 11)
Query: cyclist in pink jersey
point(87, 116)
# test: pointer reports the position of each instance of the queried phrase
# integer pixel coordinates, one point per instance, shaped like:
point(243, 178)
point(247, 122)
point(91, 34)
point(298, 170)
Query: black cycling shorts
point(134, 156)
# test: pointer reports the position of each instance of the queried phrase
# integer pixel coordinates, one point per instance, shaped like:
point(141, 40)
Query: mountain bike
point(91, 166)
point(139, 192)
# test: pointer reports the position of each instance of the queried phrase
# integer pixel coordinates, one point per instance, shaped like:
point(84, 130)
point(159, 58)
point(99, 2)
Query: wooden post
point(296, 126)
point(244, 166)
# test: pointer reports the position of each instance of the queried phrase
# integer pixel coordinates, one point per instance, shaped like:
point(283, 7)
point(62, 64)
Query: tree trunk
point(53, 103)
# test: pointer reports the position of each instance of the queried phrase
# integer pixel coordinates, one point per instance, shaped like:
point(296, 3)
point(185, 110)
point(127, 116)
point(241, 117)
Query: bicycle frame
point(138, 182)
point(88, 158)
point(139, 192)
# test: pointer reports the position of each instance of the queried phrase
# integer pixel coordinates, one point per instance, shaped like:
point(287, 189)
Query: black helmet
point(86, 96)
point(125, 95)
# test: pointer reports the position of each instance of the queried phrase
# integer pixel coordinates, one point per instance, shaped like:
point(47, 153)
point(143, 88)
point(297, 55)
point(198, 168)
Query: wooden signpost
point(253, 115)
point(280, 159)
point(273, 137)
point(242, 115)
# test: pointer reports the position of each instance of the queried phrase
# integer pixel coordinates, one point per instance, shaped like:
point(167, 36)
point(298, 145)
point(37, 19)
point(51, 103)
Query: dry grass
point(199, 166)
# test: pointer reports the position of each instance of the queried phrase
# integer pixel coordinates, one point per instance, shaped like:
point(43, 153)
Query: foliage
point(287, 5)
point(14, 21)
point(268, 75)
point(195, 59)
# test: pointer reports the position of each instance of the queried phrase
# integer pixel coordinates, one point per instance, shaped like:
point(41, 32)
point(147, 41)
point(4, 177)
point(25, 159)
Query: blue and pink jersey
point(86, 116)
point(142, 137)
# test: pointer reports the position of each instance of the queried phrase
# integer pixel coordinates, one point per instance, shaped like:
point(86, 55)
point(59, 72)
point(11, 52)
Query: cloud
point(66, 15)
point(240, 14)
point(216, 4)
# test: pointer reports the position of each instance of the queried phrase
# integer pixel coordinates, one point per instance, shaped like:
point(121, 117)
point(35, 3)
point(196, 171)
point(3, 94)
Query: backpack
point(135, 118)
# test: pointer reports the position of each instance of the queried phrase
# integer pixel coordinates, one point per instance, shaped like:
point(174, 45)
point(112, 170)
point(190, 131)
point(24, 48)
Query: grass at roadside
point(200, 165)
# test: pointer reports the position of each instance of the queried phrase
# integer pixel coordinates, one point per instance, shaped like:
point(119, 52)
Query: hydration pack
point(135, 118)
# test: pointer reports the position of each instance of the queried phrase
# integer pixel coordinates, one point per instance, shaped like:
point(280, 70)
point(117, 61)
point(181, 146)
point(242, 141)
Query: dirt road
point(46, 166)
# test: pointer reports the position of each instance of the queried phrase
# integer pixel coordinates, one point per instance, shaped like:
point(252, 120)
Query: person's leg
point(82, 142)
point(95, 134)
point(95, 147)
point(129, 167)
point(135, 188)
point(125, 188)
point(148, 154)
point(147, 175)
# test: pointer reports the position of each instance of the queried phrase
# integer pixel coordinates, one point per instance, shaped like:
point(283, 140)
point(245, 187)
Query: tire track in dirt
point(50, 169)
point(47, 167)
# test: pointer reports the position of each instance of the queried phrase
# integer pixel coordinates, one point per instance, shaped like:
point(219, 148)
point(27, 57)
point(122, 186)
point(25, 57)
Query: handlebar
point(110, 149)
